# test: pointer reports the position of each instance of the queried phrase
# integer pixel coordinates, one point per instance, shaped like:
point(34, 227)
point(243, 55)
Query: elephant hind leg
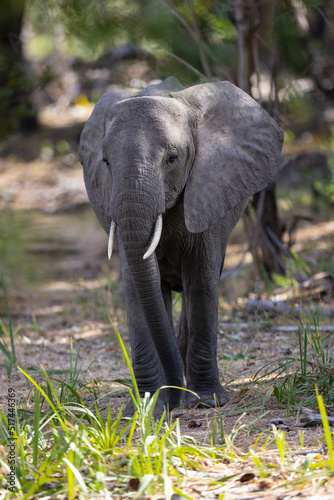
point(167, 298)
point(201, 301)
point(216, 396)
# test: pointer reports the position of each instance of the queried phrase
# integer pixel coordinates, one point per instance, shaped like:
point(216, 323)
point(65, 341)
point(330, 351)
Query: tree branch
point(188, 65)
point(195, 35)
point(198, 38)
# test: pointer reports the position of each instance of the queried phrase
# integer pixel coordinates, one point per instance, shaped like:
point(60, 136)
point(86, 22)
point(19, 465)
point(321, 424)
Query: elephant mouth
point(154, 241)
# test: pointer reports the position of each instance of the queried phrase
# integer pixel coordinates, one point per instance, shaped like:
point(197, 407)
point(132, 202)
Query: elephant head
point(210, 145)
point(211, 141)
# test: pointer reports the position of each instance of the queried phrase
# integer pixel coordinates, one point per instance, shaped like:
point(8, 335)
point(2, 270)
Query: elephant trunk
point(136, 218)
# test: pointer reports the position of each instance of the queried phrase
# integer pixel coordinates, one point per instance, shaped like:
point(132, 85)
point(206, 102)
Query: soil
point(61, 289)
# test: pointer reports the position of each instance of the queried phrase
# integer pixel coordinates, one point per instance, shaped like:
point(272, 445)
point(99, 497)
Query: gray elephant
point(170, 170)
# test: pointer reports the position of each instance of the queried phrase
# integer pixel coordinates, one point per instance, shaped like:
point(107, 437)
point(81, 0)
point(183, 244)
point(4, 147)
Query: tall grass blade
point(37, 414)
point(135, 400)
point(302, 337)
point(41, 390)
point(70, 388)
point(328, 435)
point(10, 355)
point(9, 318)
point(280, 441)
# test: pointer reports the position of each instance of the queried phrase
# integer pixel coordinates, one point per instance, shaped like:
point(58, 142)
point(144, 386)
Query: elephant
point(170, 170)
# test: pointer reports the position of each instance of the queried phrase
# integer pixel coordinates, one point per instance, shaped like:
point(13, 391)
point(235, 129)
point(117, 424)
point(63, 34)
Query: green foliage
point(289, 136)
point(198, 33)
point(69, 387)
point(15, 104)
point(301, 109)
point(70, 449)
point(189, 29)
point(324, 190)
point(86, 28)
point(8, 352)
point(291, 41)
point(328, 434)
point(192, 39)
point(280, 441)
point(181, 34)
point(298, 377)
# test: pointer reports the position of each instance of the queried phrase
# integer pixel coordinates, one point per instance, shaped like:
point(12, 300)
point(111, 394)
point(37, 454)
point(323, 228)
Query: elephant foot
point(207, 398)
point(158, 411)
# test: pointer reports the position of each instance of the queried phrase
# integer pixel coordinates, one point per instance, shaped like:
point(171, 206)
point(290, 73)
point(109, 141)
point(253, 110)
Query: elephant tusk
point(156, 237)
point(111, 239)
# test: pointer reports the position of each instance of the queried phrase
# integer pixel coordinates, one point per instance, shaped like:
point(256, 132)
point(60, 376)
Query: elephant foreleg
point(145, 360)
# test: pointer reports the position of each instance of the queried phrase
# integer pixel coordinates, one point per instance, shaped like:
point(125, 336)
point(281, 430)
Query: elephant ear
point(163, 89)
point(96, 173)
point(238, 152)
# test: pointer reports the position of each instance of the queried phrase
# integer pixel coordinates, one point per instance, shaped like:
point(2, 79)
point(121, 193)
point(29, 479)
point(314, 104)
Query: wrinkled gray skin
point(194, 155)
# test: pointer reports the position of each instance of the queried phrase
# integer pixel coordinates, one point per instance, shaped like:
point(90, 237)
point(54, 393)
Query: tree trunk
point(265, 233)
point(271, 231)
point(15, 85)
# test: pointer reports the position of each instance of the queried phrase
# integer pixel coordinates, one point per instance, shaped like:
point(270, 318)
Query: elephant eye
point(105, 160)
point(172, 159)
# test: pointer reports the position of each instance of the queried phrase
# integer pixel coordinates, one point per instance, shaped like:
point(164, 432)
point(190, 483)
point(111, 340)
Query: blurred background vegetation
point(57, 57)
point(280, 51)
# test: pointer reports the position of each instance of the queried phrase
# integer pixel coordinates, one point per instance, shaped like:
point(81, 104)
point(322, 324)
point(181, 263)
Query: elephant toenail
point(213, 403)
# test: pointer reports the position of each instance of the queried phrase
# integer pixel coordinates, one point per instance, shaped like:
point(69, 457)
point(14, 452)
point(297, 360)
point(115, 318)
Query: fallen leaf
point(134, 483)
point(247, 477)
point(278, 423)
point(192, 424)
point(265, 483)
point(311, 424)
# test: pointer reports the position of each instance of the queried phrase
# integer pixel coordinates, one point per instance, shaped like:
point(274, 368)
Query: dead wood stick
point(270, 306)
point(288, 329)
point(315, 416)
point(307, 452)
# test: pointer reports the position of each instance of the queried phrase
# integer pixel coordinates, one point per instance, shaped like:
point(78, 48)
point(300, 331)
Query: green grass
point(296, 377)
point(66, 448)
point(8, 352)
point(70, 450)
